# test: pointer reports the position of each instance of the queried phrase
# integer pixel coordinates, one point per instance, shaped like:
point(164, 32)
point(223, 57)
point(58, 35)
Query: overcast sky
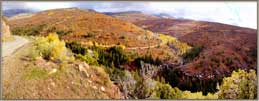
point(236, 13)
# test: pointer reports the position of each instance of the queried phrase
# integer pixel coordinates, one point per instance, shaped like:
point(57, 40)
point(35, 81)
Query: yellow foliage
point(241, 85)
point(90, 43)
point(122, 46)
point(50, 13)
point(52, 37)
point(180, 46)
point(50, 48)
point(198, 95)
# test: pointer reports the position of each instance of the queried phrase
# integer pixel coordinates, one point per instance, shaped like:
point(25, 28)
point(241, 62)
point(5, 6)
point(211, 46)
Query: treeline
point(177, 78)
point(110, 57)
point(192, 53)
point(42, 29)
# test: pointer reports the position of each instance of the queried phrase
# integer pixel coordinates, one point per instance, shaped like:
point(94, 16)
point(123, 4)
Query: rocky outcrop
point(6, 34)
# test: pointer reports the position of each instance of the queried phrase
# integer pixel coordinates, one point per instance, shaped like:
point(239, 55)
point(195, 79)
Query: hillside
point(42, 79)
point(131, 16)
point(89, 27)
point(224, 47)
point(84, 26)
point(174, 27)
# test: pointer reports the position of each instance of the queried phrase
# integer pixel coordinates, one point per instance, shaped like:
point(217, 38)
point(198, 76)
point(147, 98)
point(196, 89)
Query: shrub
point(165, 91)
point(116, 74)
point(114, 56)
point(35, 30)
point(194, 52)
point(147, 59)
point(76, 48)
point(122, 37)
point(90, 35)
point(117, 55)
point(181, 47)
point(87, 55)
point(241, 85)
point(50, 48)
point(229, 61)
point(18, 31)
point(253, 53)
point(192, 83)
point(197, 95)
point(63, 33)
point(88, 58)
point(144, 88)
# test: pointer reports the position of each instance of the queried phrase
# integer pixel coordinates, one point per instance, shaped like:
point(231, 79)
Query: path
point(10, 47)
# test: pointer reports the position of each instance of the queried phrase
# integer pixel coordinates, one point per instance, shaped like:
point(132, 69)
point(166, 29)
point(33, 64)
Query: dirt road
point(10, 47)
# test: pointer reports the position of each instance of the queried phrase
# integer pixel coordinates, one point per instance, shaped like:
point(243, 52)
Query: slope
point(83, 26)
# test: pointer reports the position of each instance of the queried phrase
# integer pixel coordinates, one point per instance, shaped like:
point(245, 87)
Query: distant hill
point(12, 12)
point(226, 47)
point(131, 16)
point(85, 25)
point(164, 15)
point(126, 12)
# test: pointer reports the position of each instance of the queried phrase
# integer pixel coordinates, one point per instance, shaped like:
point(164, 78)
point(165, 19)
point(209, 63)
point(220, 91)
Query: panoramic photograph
point(129, 50)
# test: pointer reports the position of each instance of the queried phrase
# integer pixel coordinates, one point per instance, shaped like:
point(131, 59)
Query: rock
point(5, 29)
point(53, 71)
point(89, 81)
point(86, 74)
point(86, 65)
point(53, 84)
point(94, 87)
point(102, 88)
point(83, 70)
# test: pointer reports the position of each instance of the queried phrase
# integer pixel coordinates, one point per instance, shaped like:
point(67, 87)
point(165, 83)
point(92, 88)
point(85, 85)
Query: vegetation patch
point(241, 85)
point(111, 57)
point(35, 30)
point(181, 47)
point(36, 73)
point(50, 48)
point(193, 53)
point(147, 59)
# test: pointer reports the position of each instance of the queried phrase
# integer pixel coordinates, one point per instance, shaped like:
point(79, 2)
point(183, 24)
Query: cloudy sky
point(235, 13)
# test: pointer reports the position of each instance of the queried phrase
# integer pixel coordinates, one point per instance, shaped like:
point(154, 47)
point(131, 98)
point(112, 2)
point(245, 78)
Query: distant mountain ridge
point(125, 12)
point(131, 16)
point(13, 12)
point(164, 15)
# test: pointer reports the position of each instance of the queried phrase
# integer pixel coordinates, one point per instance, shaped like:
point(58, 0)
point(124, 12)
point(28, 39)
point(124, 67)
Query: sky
point(239, 13)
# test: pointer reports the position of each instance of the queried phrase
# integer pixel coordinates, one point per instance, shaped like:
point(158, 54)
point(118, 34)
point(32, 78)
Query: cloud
point(112, 6)
point(35, 5)
point(236, 13)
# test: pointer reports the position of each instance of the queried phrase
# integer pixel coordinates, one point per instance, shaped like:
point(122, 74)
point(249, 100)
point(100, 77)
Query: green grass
point(36, 73)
